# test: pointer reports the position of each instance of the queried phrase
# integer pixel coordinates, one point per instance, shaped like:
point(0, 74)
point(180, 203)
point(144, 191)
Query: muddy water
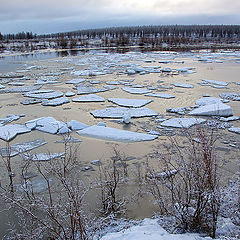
point(92, 149)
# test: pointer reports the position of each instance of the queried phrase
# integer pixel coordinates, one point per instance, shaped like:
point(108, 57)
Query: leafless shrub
point(111, 179)
point(58, 212)
point(187, 185)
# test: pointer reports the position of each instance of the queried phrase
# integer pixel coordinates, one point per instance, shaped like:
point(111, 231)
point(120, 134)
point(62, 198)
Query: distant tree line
point(197, 31)
point(187, 31)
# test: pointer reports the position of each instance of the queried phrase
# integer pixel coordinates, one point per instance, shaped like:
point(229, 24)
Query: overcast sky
point(50, 16)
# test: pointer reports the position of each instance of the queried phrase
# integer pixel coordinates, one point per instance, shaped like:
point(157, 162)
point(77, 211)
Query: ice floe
point(20, 89)
point(75, 125)
point(217, 109)
point(182, 122)
point(8, 119)
point(44, 156)
point(30, 101)
point(70, 94)
point(55, 102)
point(121, 111)
point(76, 81)
point(234, 130)
point(208, 100)
point(136, 90)
point(49, 125)
point(160, 95)
point(126, 102)
point(183, 85)
point(114, 134)
point(19, 148)
point(220, 83)
point(8, 132)
point(89, 98)
point(87, 90)
point(45, 95)
point(230, 96)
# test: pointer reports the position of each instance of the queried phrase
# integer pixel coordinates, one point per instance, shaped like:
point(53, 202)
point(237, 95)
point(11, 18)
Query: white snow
point(148, 229)
point(160, 95)
point(217, 109)
point(8, 132)
point(230, 96)
point(55, 102)
point(182, 122)
point(89, 98)
point(114, 134)
point(136, 90)
point(126, 102)
point(121, 111)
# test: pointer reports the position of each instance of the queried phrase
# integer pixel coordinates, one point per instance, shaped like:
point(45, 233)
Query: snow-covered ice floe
point(208, 100)
point(220, 83)
point(8, 132)
point(126, 102)
point(160, 95)
point(136, 90)
point(21, 147)
point(76, 81)
point(182, 122)
point(114, 134)
point(44, 156)
point(89, 98)
point(46, 94)
point(88, 90)
point(148, 229)
point(55, 102)
point(75, 125)
point(49, 125)
point(217, 109)
point(121, 111)
point(234, 130)
point(20, 89)
point(183, 85)
point(230, 96)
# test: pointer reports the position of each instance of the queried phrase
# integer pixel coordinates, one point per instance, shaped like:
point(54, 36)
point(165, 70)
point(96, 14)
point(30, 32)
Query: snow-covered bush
point(187, 185)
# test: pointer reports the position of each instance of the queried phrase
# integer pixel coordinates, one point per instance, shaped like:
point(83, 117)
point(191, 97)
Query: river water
point(223, 66)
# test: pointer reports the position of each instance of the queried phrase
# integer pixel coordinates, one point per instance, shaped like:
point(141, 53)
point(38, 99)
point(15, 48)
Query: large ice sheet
point(8, 132)
point(183, 85)
point(114, 134)
point(126, 102)
point(121, 111)
point(21, 147)
point(217, 109)
point(182, 122)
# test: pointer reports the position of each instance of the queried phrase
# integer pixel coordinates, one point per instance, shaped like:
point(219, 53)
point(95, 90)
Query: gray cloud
point(61, 15)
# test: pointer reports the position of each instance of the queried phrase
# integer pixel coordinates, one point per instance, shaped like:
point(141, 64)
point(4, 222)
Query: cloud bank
point(60, 15)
